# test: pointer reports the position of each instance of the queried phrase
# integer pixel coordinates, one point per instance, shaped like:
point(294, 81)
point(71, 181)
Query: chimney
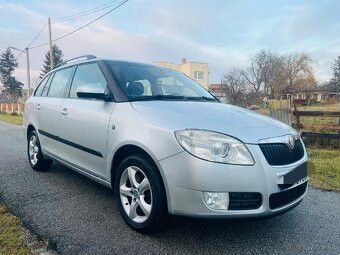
point(184, 61)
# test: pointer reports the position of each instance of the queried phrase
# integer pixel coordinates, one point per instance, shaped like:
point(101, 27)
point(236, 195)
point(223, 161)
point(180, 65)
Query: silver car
point(163, 143)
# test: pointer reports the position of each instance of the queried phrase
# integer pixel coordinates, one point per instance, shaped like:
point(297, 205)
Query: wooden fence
point(11, 108)
point(281, 110)
point(333, 130)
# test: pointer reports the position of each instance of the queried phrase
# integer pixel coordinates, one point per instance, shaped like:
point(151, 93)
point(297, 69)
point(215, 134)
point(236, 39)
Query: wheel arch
point(130, 149)
point(30, 128)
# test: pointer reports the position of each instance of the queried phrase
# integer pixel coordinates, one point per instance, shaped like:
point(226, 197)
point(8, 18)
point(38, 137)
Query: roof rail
point(85, 57)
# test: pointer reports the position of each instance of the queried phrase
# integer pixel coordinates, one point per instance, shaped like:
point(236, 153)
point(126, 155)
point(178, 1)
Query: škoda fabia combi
point(163, 143)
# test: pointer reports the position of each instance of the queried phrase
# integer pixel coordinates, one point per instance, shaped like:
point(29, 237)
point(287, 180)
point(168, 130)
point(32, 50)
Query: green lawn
point(327, 169)
point(11, 240)
point(15, 119)
point(319, 120)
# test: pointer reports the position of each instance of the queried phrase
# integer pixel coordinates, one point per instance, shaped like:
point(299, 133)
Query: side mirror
point(92, 91)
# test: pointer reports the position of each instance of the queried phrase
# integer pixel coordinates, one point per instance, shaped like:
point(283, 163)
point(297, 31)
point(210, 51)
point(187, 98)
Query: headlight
point(214, 147)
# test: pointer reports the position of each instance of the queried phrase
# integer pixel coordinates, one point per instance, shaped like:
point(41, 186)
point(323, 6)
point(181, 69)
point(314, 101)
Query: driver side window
point(87, 74)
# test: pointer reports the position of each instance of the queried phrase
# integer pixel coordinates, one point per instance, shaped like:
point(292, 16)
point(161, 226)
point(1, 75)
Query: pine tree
point(57, 59)
point(8, 63)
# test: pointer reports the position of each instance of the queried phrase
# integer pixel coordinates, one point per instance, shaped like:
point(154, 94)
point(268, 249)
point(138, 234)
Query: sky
point(222, 33)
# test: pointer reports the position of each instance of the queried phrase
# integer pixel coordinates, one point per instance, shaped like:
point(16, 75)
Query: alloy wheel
point(33, 150)
point(135, 194)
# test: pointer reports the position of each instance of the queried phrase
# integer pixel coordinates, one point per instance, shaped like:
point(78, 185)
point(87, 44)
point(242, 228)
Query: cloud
point(221, 33)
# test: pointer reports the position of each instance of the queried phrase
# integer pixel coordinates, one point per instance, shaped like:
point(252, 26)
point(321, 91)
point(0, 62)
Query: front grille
point(244, 200)
point(278, 154)
point(277, 200)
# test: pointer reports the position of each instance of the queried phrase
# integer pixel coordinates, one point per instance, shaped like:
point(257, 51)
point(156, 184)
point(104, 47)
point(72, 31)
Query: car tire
point(140, 194)
point(35, 156)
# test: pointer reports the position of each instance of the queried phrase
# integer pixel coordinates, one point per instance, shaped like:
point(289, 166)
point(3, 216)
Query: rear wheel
point(140, 194)
point(35, 156)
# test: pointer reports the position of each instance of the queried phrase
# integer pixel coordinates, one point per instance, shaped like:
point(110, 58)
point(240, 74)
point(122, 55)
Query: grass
point(320, 107)
point(327, 169)
point(14, 119)
point(319, 120)
point(11, 236)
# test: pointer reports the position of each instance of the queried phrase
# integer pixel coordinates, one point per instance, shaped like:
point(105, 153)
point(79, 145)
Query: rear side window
point(42, 86)
point(87, 74)
point(59, 82)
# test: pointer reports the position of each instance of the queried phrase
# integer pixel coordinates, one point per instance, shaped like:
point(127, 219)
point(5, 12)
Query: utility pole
point(28, 73)
point(50, 42)
point(28, 69)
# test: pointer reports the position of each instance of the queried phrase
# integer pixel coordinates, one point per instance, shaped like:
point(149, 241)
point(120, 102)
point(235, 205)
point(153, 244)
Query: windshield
point(147, 82)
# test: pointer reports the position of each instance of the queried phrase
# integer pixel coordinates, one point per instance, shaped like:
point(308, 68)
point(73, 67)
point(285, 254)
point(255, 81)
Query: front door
point(86, 124)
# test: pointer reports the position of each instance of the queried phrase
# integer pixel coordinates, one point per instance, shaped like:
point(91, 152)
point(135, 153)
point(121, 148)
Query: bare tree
point(254, 73)
point(297, 66)
point(265, 72)
point(235, 82)
point(272, 73)
point(335, 81)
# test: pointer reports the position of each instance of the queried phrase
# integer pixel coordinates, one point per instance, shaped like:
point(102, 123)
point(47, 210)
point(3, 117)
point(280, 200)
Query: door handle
point(64, 111)
point(38, 106)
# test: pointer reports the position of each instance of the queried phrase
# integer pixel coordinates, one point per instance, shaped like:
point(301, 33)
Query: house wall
point(189, 69)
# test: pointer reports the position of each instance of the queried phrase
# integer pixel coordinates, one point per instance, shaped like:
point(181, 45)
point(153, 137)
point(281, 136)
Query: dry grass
point(14, 119)
point(327, 169)
point(11, 236)
point(319, 120)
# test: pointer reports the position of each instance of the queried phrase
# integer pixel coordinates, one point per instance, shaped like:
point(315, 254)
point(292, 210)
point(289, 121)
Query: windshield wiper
point(171, 97)
point(203, 98)
point(158, 97)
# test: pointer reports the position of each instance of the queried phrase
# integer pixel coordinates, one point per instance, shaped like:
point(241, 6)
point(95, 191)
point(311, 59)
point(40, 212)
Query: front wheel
point(35, 156)
point(140, 194)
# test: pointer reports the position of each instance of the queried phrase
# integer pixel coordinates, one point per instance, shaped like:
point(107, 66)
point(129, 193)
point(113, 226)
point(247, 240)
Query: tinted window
point(87, 74)
point(59, 82)
point(42, 85)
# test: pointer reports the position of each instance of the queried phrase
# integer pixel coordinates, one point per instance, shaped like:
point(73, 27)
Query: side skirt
point(82, 171)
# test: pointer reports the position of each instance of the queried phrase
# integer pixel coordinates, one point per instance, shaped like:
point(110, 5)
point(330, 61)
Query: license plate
point(296, 174)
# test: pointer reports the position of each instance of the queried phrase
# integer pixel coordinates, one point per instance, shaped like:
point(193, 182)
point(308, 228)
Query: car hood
point(240, 123)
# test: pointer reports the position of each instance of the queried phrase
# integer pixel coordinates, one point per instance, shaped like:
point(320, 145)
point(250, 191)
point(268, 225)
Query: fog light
point(216, 201)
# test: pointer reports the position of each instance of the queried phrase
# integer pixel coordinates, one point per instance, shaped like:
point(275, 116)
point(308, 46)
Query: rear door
point(86, 124)
point(48, 109)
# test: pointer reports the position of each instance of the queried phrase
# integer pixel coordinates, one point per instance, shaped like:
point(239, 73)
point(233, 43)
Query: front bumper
point(187, 177)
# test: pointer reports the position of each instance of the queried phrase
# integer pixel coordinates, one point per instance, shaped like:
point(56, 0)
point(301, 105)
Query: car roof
point(91, 58)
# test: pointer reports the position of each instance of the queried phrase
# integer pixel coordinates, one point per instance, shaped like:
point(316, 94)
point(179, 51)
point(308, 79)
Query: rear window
point(42, 85)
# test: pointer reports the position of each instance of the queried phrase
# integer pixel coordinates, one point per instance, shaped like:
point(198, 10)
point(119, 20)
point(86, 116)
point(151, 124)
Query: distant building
point(314, 95)
point(220, 91)
point(196, 70)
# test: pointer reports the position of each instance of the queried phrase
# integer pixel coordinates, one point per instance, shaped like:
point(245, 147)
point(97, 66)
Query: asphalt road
point(78, 216)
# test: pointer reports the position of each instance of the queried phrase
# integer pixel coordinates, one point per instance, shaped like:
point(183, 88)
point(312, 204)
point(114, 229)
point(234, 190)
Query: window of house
point(198, 75)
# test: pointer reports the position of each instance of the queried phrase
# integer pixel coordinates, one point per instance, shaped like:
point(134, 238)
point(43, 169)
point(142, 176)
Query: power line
point(87, 24)
point(88, 12)
point(35, 38)
point(19, 54)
